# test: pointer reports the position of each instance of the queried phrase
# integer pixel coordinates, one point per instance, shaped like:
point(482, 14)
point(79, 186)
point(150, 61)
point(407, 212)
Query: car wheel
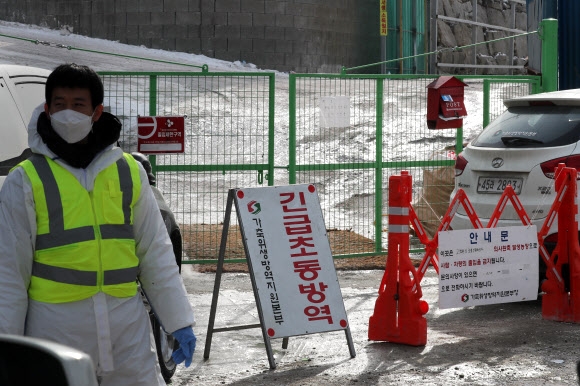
point(165, 344)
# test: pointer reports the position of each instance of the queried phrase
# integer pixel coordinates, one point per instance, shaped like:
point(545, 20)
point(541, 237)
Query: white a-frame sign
point(290, 264)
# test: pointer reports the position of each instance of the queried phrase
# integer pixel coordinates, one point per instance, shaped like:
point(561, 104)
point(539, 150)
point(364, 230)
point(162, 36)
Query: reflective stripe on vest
point(87, 278)
point(85, 241)
point(58, 236)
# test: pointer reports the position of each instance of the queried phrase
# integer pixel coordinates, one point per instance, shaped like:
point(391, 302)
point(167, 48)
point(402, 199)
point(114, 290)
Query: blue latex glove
point(186, 339)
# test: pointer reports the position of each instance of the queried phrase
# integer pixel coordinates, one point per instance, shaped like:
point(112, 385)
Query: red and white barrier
point(399, 311)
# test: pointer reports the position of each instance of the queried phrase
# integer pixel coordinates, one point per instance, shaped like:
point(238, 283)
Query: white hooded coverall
point(115, 332)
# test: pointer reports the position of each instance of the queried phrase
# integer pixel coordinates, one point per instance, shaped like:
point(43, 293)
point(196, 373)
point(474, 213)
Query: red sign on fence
point(161, 135)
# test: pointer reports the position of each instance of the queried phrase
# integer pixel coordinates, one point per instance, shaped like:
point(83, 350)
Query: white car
point(520, 148)
point(21, 91)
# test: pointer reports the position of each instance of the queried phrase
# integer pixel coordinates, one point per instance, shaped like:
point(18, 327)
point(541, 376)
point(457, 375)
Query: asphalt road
point(505, 344)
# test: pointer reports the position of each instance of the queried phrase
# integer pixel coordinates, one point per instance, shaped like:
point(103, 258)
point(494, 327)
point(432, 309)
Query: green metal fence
point(243, 131)
point(239, 133)
point(386, 133)
point(229, 125)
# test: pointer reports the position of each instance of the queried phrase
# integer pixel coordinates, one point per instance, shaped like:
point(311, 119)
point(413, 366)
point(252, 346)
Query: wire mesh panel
point(337, 157)
point(409, 145)
point(228, 144)
point(385, 132)
point(347, 135)
point(504, 90)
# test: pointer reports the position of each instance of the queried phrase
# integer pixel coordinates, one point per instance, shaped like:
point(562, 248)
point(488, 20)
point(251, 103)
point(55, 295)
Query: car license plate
point(498, 184)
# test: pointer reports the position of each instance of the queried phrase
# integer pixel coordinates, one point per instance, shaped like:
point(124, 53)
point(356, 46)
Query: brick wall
point(286, 35)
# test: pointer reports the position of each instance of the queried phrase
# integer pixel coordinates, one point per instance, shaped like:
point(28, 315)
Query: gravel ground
point(505, 344)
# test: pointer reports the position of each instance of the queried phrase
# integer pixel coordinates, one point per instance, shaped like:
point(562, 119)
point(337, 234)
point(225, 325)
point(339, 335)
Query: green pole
point(459, 140)
point(379, 167)
point(549, 37)
point(459, 133)
point(272, 104)
point(292, 130)
point(486, 88)
point(153, 112)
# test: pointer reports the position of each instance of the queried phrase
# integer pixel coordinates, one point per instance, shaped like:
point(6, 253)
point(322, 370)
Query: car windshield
point(532, 126)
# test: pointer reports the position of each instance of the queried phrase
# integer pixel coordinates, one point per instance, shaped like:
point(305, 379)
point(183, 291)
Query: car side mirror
point(31, 361)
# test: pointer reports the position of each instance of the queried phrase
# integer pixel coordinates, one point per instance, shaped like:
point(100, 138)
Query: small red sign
point(161, 135)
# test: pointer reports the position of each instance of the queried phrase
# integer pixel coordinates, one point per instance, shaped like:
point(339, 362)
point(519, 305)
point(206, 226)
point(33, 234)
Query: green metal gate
point(232, 141)
point(229, 125)
point(240, 129)
point(386, 133)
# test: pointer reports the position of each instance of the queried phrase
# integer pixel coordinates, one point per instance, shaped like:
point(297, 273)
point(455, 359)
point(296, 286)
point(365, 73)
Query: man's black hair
point(73, 75)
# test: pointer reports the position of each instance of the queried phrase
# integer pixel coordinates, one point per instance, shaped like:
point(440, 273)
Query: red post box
point(445, 107)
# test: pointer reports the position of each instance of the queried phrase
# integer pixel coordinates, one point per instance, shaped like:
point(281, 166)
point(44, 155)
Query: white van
point(21, 91)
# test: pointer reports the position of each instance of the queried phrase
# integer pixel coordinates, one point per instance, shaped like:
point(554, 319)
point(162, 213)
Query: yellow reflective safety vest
point(85, 242)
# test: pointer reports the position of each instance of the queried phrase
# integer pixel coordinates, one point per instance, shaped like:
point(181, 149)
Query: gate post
point(549, 37)
point(398, 315)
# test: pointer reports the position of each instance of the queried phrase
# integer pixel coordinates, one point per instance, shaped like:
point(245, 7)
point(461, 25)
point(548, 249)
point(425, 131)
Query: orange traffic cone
point(398, 315)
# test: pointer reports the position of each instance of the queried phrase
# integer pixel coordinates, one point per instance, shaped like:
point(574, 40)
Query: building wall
point(287, 35)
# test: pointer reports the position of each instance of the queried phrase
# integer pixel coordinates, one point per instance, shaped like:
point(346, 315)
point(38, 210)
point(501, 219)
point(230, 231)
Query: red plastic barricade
point(399, 311)
point(560, 302)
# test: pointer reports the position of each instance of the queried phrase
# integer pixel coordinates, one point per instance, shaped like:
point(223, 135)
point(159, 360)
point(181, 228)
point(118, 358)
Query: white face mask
point(71, 125)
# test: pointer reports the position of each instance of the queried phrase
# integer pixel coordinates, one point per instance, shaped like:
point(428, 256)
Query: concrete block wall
point(307, 36)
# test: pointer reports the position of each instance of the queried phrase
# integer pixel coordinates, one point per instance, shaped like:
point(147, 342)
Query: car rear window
point(532, 126)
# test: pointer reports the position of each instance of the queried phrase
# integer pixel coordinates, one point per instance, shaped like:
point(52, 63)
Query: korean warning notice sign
point(290, 260)
point(488, 266)
point(161, 135)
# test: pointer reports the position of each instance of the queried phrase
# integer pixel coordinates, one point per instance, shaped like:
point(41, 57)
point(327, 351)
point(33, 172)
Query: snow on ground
point(402, 136)
point(65, 38)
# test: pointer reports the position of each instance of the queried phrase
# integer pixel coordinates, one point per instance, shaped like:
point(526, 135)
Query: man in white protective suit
point(79, 225)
